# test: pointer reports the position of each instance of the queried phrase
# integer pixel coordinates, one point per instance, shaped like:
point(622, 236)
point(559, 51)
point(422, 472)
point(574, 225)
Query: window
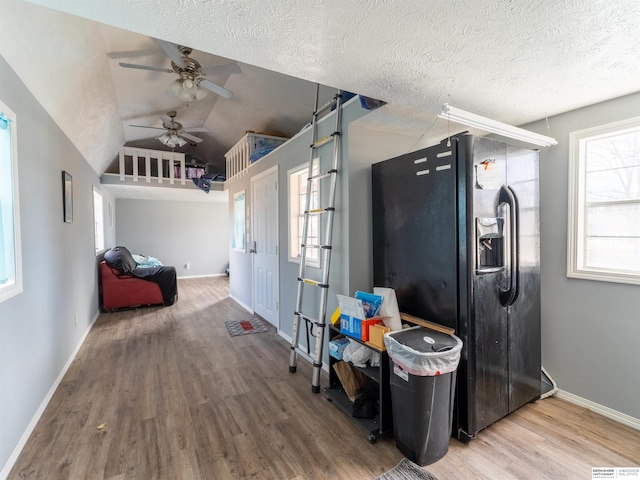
point(10, 254)
point(98, 221)
point(297, 204)
point(239, 222)
point(604, 203)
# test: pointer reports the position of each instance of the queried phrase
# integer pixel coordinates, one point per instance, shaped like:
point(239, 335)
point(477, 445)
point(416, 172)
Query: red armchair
point(126, 290)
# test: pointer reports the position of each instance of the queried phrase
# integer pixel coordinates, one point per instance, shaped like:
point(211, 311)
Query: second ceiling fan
point(192, 84)
point(175, 134)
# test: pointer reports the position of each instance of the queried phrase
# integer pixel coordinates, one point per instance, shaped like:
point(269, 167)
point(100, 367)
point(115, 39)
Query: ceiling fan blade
point(209, 85)
point(172, 50)
point(131, 53)
point(145, 126)
point(196, 129)
point(226, 69)
point(167, 122)
point(190, 137)
point(145, 67)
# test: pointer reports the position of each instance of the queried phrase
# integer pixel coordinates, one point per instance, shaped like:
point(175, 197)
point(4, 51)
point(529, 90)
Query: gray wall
point(293, 154)
point(590, 328)
point(38, 334)
point(176, 233)
point(366, 146)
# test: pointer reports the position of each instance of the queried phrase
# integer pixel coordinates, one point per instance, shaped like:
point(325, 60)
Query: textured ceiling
point(263, 101)
point(516, 61)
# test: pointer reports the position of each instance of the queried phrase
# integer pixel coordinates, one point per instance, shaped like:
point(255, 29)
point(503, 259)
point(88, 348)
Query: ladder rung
point(326, 106)
point(317, 211)
point(320, 176)
point(322, 141)
point(311, 245)
point(320, 323)
point(307, 318)
point(315, 283)
point(326, 139)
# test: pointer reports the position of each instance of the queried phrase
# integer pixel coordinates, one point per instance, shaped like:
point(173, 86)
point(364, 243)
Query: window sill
point(309, 264)
point(9, 291)
point(611, 277)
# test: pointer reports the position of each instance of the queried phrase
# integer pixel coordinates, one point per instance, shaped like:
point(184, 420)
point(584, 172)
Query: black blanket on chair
point(165, 277)
point(122, 260)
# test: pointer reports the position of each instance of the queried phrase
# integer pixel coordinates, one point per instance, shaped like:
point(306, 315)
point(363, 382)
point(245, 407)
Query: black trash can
point(423, 366)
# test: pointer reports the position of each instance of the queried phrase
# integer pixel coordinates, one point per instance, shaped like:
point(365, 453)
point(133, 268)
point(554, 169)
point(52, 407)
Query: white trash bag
point(423, 352)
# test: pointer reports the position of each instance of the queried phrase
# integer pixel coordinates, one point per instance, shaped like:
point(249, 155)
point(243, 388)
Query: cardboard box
point(376, 336)
point(353, 320)
point(357, 327)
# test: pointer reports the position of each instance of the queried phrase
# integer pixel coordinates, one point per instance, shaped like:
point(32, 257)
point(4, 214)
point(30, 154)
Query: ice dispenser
point(489, 245)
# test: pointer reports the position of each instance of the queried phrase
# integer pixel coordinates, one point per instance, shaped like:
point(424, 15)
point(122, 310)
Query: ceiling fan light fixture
point(187, 89)
point(187, 96)
point(175, 88)
point(188, 86)
point(177, 141)
point(200, 93)
point(172, 140)
point(175, 135)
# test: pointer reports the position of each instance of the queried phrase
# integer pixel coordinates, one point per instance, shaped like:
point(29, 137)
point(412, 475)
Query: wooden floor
point(178, 398)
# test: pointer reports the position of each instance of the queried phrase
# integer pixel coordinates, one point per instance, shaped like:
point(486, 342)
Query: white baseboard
point(302, 353)
point(284, 335)
point(4, 473)
point(243, 305)
point(600, 409)
point(180, 277)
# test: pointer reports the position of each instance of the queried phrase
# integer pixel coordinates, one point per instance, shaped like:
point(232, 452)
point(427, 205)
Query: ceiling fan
point(192, 84)
point(175, 133)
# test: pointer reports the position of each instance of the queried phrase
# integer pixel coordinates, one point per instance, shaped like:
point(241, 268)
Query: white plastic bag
point(375, 359)
point(356, 354)
point(423, 364)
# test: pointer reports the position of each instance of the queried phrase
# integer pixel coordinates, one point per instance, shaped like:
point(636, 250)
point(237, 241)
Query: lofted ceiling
point(517, 61)
point(262, 101)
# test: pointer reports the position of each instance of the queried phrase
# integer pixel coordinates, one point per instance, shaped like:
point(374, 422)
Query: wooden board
point(427, 324)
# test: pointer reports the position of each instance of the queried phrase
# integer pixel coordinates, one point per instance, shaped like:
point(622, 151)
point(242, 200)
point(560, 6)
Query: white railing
point(238, 158)
point(159, 166)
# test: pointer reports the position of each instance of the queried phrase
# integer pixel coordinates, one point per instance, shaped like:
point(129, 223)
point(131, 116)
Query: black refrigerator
point(456, 234)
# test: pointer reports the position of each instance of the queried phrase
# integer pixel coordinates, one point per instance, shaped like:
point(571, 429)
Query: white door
point(264, 209)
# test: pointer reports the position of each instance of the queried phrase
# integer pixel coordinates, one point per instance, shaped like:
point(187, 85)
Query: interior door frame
point(270, 171)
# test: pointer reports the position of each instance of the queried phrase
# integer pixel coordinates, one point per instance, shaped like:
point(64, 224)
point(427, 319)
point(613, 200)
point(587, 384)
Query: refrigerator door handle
point(508, 198)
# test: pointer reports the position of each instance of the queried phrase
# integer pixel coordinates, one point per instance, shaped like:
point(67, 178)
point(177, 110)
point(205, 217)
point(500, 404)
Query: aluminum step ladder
point(324, 249)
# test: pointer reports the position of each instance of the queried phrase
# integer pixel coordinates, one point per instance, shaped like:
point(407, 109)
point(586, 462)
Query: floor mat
point(406, 469)
point(244, 327)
